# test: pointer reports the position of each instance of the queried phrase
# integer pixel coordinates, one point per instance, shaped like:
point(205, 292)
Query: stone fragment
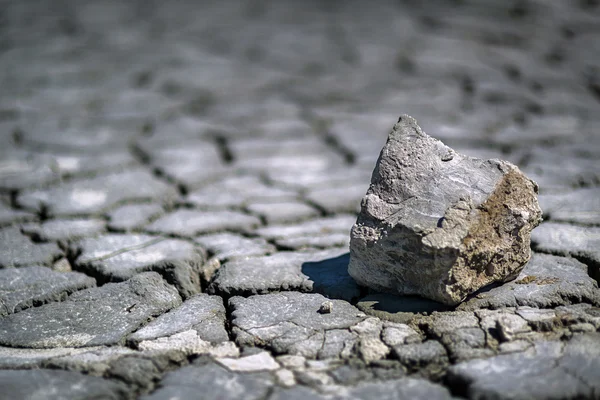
point(262, 361)
point(289, 323)
point(210, 378)
point(238, 191)
point(439, 224)
point(17, 250)
point(203, 313)
point(190, 223)
point(184, 344)
point(227, 246)
point(64, 230)
point(15, 358)
point(279, 212)
point(133, 216)
point(93, 195)
point(55, 385)
point(9, 215)
point(117, 257)
point(93, 361)
point(580, 242)
point(326, 307)
point(551, 369)
point(546, 281)
point(26, 287)
point(91, 317)
point(579, 206)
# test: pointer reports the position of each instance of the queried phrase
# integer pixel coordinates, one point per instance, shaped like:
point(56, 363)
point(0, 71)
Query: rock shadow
point(330, 278)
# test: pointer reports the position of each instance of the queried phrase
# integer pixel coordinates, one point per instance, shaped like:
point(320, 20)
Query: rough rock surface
point(91, 317)
point(242, 155)
point(21, 288)
point(439, 224)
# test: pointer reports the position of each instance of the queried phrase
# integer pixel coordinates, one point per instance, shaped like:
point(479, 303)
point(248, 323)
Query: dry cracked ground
point(178, 181)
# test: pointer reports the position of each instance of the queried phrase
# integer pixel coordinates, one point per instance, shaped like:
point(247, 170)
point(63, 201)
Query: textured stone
point(227, 246)
point(283, 211)
point(262, 361)
point(93, 361)
point(91, 317)
point(93, 195)
point(18, 250)
point(579, 206)
point(133, 216)
point(191, 222)
point(203, 313)
point(550, 370)
point(115, 257)
point(9, 215)
point(15, 358)
point(580, 242)
point(439, 224)
point(324, 272)
point(33, 286)
point(56, 385)
point(290, 323)
point(210, 378)
point(546, 281)
point(63, 230)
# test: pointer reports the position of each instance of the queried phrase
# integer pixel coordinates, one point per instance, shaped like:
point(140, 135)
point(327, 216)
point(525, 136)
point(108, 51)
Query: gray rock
point(33, 286)
point(325, 241)
point(238, 191)
point(63, 230)
point(323, 272)
point(14, 358)
point(551, 370)
point(93, 361)
point(211, 379)
point(9, 215)
point(56, 385)
point(546, 281)
point(316, 227)
point(290, 323)
point(133, 216)
point(579, 206)
point(580, 242)
point(227, 246)
point(93, 195)
point(190, 223)
point(18, 250)
point(203, 313)
point(116, 257)
point(340, 198)
point(283, 211)
point(91, 317)
point(404, 388)
point(439, 224)
point(428, 358)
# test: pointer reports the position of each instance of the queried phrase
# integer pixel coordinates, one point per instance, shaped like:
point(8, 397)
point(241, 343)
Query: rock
point(227, 246)
point(133, 216)
point(184, 222)
point(209, 378)
point(116, 257)
point(26, 287)
point(91, 196)
point(580, 242)
point(546, 281)
point(18, 250)
point(290, 323)
point(439, 224)
point(91, 317)
point(553, 370)
point(203, 313)
point(62, 230)
point(262, 361)
point(56, 385)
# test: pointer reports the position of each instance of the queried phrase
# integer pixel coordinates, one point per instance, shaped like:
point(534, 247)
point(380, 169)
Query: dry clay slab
point(439, 224)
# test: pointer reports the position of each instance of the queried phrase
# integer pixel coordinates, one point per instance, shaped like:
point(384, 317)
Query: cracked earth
point(178, 181)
